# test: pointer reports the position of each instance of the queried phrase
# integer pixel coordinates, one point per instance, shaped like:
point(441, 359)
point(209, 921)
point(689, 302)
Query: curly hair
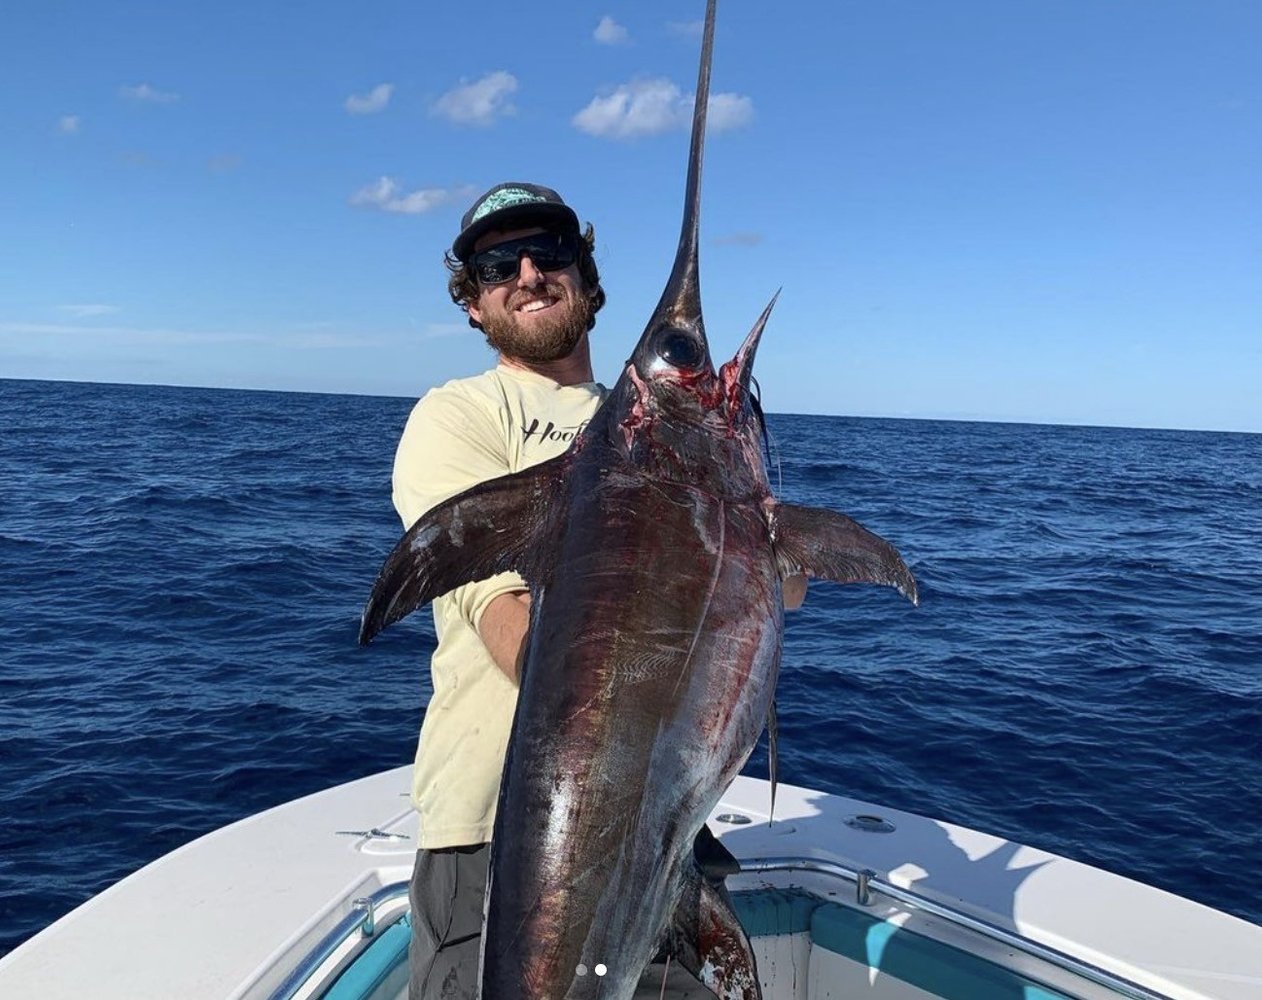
point(462, 285)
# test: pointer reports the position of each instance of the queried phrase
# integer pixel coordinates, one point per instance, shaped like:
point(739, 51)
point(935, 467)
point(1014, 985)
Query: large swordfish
point(654, 552)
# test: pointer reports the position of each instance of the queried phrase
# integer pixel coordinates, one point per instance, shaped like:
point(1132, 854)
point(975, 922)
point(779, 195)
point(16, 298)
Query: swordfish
point(655, 554)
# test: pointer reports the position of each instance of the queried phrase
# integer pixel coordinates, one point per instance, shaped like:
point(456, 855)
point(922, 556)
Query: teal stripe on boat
point(384, 963)
point(936, 968)
point(940, 969)
point(767, 912)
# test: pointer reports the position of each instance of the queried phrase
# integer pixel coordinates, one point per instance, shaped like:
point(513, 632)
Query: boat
point(841, 898)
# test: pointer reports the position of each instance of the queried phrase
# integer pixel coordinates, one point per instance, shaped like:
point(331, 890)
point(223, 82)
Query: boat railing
point(362, 920)
point(867, 882)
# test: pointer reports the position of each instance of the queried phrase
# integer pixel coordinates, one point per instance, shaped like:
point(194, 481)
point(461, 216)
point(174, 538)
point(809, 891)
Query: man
point(526, 276)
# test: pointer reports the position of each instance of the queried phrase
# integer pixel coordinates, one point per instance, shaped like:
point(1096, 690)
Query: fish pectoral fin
point(725, 962)
point(824, 544)
point(491, 528)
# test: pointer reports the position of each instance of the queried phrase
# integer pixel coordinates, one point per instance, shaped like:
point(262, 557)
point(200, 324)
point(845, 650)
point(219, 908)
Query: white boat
point(841, 898)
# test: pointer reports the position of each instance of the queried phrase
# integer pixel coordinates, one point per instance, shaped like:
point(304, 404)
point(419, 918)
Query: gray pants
point(446, 894)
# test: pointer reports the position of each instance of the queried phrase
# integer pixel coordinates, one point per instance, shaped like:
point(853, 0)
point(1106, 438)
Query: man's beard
point(545, 339)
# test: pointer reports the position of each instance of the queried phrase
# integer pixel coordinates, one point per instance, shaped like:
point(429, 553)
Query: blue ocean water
point(182, 571)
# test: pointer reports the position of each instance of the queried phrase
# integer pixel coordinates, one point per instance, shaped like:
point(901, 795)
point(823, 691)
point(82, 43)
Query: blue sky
point(1046, 210)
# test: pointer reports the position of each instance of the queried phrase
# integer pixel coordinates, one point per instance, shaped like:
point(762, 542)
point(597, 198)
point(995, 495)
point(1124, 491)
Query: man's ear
point(475, 313)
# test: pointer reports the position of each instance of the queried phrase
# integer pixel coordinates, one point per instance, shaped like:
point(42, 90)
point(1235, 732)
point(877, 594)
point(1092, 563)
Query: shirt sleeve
point(450, 443)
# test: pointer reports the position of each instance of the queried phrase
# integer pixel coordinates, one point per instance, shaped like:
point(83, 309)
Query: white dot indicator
point(600, 968)
point(581, 969)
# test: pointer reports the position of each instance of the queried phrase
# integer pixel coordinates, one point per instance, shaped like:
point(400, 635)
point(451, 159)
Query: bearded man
point(526, 276)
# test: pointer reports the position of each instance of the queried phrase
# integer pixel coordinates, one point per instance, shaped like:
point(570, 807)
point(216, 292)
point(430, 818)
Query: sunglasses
point(502, 262)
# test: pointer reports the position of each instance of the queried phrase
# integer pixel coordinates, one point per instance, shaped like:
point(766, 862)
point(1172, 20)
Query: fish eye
point(677, 348)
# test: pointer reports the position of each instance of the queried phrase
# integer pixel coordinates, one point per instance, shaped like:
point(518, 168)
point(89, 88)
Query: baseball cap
point(510, 206)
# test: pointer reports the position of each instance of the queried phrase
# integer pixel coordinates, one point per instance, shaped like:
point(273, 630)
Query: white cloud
point(88, 309)
point(386, 194)
point(642, 107)
point(480, 102)
point(610, 32)
point(647, 107)
point(68, 124)
point(728, 111)
point(145, 94)
point(688, 29)
point(372, 102)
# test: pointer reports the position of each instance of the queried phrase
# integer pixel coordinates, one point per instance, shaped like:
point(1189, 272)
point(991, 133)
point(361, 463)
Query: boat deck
point(243, 912)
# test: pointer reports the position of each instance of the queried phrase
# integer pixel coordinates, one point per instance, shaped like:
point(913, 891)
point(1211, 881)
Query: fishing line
point(756, 399)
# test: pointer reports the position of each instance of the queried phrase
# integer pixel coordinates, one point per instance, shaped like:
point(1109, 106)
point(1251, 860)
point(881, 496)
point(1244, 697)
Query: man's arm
point(502, 629)
point(450, 443)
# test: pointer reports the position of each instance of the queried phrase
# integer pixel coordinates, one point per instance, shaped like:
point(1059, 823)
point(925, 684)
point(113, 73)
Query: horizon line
point(956, 419)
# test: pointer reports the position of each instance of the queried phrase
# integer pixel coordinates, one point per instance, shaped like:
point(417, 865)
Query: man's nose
point(528, 276)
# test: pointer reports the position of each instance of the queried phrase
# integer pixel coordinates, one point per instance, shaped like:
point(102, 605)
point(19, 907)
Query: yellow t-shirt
point(460, 434)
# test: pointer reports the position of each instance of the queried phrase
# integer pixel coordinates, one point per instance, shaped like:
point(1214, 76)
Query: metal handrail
point(358, 919)
point(867, 881)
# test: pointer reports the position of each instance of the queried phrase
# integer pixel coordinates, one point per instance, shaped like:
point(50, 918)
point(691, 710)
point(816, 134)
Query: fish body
point(655, 553)
point(652, 660)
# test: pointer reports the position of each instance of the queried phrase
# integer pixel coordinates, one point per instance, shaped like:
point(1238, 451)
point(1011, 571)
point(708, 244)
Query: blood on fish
point(637, 416)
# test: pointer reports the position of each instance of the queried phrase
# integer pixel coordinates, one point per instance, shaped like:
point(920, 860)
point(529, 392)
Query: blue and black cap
point(512, 205)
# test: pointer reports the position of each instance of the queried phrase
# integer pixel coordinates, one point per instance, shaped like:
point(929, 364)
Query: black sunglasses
point(502, 262)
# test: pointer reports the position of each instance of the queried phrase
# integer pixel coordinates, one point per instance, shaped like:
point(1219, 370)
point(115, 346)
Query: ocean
point(182, 572)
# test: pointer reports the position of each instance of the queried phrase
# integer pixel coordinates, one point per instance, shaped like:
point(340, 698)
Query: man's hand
point(502, 629)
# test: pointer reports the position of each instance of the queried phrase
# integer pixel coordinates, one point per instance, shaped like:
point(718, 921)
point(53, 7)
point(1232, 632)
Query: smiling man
point(525, 274)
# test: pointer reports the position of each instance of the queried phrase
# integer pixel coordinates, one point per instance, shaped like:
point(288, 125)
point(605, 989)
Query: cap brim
point(514, 217)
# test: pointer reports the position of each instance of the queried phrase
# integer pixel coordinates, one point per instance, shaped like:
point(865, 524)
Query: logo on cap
point(505, 198)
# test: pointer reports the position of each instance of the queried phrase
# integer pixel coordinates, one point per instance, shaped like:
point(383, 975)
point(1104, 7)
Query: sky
point(1045, 210)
